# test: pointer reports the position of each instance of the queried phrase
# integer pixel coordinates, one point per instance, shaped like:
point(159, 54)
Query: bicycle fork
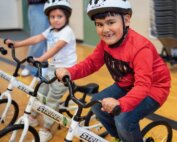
point(7, 95)
point(23, 120)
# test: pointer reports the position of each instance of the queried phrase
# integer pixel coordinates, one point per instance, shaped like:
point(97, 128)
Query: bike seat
point(89, 89)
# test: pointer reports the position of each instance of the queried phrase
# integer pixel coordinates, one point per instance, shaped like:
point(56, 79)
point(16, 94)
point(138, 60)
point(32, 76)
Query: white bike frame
point(34, 103)
point(82, 133)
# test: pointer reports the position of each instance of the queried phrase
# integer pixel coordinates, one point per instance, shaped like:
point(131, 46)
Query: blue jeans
point(38, 23)
point(126, 125)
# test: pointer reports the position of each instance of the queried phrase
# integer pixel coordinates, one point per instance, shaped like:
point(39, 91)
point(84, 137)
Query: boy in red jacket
point(142, 80)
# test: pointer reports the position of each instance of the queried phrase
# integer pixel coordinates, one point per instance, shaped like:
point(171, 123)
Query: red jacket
point(147, 73)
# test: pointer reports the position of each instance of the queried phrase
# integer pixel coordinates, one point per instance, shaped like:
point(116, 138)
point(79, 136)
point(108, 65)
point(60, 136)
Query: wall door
point(11, 14)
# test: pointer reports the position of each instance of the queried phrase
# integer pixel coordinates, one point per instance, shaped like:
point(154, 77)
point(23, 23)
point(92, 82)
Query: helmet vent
point(98, 6)
point(95, 1)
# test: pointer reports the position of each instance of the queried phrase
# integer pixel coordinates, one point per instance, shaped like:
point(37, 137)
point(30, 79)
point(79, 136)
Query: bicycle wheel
point(11, 115)
point(94, 125)
point(32, 134)
point(157, 131)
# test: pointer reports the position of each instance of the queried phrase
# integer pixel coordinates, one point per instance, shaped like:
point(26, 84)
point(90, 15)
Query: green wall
point(25, 15)
point(90, 35)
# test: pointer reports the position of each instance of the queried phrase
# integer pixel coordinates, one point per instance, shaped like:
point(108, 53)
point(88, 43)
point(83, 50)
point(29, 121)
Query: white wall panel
point(11, 14)
point(76, 21)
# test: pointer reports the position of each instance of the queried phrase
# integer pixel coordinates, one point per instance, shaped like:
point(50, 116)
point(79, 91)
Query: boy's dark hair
point(105, 14)
point(108, 13)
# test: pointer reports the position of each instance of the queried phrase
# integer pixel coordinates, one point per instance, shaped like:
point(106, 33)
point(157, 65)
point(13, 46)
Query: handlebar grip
point(3, 51)
point(5, 40)
point(35, 63)
point(30, 60)
point(65, 78)
point(44, 64)
point(9, 45)
point(116, 110)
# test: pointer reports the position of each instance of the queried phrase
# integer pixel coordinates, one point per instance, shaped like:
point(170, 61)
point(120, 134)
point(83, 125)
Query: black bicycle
point(157, 131)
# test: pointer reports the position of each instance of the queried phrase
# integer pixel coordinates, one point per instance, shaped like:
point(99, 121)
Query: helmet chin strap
point(125, 30)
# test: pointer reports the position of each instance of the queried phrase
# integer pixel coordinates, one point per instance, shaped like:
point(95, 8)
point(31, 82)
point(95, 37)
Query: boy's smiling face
point(57, 18)
point(110, 29)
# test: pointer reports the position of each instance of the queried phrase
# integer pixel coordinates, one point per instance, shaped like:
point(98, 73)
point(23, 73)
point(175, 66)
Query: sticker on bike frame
point(89, 138)
point(60, 119)
point(4, 76)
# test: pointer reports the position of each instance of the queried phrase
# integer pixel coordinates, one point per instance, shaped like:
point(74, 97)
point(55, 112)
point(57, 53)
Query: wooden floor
point(168, 110)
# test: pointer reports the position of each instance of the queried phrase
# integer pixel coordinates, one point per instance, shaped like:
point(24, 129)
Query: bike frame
point(36, 105)
point(82, 133)
point(75, 129)
point(33, 103)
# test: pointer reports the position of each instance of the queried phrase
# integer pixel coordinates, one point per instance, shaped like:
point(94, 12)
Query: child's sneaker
point(45, 135)
point(33, 121)
point(25, 72)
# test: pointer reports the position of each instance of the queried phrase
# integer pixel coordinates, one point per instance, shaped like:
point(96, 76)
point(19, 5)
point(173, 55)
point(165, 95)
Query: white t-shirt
point(66, 56)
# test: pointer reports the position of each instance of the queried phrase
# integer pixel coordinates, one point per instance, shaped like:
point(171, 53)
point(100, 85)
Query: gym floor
point(167, 112)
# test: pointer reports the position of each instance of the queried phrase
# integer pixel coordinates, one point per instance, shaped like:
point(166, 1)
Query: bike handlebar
point(66, 79)
point(35, 63)
point(11, 46)
point(39, 67)
point(28, 59)
point(3, 51)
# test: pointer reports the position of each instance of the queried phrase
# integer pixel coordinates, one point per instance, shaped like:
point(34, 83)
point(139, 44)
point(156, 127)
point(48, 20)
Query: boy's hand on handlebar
point(108, 104)
point(61, 72)
point(38, 59)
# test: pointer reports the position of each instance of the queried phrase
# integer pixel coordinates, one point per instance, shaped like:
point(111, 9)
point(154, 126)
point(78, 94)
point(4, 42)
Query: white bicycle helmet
point(99, 6)
point(52, 4)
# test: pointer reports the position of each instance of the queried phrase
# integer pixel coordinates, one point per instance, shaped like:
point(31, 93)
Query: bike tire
point(154, 126)
point(31, 131)
point(11, 118)
point(88, 120)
